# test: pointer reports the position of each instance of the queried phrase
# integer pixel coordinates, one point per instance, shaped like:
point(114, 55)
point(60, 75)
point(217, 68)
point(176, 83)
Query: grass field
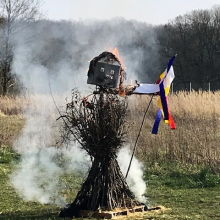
point(181, 166)
point(184, 195)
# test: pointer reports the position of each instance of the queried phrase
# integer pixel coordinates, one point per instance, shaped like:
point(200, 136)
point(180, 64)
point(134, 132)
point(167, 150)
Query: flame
point(122, 92)
point(121, 59)
point(115, 51)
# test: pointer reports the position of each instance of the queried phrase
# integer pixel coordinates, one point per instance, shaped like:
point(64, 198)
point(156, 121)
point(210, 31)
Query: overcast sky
point(150, 11)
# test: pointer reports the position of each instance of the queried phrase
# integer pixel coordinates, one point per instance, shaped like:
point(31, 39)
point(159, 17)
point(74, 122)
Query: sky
point(150, 11)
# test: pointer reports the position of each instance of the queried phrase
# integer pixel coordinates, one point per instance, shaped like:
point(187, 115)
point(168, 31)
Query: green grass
point(13, 207)
point(189, 192)
point(192, 192)
point(203, 203)
point(179, 176)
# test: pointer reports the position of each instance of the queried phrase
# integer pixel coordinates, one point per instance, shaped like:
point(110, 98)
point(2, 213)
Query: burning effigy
point(98, 123)
point(107, 72)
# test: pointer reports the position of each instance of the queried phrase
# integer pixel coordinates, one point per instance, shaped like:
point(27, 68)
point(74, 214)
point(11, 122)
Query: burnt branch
point(98, 123)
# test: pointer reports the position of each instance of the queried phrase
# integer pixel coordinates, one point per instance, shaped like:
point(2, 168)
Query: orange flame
point(122, 92)
point(121, 59)
point(115, 51)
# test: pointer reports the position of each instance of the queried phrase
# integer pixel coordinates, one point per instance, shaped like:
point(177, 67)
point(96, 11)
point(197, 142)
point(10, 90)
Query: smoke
point(61, 51)
point(135, 175)
point(56, 54)
point(37, 176)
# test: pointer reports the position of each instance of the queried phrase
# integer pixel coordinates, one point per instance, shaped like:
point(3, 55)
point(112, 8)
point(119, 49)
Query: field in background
point(197, 137)
point(181, 166)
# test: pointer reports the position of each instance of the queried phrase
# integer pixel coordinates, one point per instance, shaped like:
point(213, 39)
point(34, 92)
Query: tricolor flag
point(164, 82)
point(162, 87)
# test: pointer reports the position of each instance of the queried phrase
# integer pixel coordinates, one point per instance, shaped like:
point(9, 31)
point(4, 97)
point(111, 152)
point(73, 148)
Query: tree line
point(194, 37)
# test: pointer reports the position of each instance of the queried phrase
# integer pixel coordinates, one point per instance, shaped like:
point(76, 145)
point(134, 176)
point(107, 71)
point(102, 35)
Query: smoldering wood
point(98, 123)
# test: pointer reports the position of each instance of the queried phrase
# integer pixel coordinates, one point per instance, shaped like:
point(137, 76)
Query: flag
point(167, 77)
point(164, 83)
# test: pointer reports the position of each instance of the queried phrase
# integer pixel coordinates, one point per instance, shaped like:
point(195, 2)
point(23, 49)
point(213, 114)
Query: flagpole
point(165, 104)
point(135, 145)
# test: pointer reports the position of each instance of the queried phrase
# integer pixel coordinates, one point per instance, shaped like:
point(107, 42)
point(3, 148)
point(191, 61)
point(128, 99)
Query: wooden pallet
point(112, 214)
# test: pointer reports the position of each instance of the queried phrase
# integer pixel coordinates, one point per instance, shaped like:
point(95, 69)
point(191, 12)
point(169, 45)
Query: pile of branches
point(98, 123)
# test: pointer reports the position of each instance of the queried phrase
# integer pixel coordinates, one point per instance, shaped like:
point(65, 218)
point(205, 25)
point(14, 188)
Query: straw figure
point(98, 123)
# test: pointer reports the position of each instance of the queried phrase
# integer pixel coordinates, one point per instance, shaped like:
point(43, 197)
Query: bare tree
point(15, 13)
point(195, 38)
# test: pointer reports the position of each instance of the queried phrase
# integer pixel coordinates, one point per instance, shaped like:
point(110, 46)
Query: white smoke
point(37, 176)
point(135, 175)
point(58, 53)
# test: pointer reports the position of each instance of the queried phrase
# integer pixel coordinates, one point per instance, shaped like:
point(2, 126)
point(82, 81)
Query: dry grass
point(11, 118)
point(196, 139)
point(10, 127)
point(13, 105)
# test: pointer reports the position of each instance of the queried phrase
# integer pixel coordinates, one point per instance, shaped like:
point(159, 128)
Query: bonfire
point(98, 123)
